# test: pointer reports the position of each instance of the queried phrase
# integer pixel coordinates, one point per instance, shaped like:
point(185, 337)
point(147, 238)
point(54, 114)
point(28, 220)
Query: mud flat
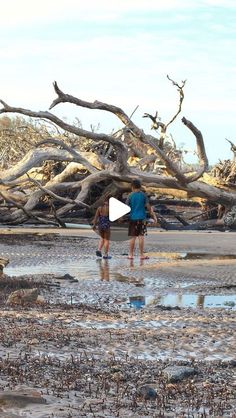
point(103, 338)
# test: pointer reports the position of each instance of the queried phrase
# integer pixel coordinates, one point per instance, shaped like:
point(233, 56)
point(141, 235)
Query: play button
point(117, 209)
point(119, 223)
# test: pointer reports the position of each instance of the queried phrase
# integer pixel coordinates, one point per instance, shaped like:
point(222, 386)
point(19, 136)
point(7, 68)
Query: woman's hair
point(106, 200)
point(136, 184)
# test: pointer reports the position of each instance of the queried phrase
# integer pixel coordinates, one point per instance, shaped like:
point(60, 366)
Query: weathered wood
point(3, 263)
point(114, 174)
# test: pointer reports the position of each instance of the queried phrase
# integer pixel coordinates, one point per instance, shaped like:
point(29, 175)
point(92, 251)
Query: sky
point(120, 52)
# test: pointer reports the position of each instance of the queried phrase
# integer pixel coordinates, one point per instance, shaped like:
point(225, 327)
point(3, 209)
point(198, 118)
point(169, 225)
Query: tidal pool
point(121, 273)
point(185, 301)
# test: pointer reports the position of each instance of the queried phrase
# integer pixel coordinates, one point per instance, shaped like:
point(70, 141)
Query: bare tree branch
point(171, 167)
point(132, 114)
point(85, 187)
point(78, 157)
point(55, 196)
point(26, 212)
point(35, 158)
point(201, 152)
point(156, 121)
point(148, 139)
point(180, 89)
point(112, 174)
point(122, 153)
point(233, 147)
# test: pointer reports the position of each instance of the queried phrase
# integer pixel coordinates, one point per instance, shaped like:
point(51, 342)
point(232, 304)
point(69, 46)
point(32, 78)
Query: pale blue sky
point(120, 52)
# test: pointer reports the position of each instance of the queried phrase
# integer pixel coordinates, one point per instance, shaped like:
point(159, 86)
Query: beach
point(110, 338)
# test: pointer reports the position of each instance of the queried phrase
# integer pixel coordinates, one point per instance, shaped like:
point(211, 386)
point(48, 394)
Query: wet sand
point(86, 351)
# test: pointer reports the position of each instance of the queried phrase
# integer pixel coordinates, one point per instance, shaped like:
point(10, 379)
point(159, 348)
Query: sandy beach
point(100, 342)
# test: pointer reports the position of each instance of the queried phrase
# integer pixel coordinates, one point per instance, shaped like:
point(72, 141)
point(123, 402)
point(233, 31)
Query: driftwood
point(3, 263)
point(86, 177)
point(225, 173)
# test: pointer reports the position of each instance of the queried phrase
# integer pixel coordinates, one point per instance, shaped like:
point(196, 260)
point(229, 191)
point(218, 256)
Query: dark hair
point(105, 200)
point(136, 184)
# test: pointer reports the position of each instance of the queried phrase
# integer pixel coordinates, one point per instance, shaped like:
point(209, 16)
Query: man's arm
point(127, 202)
point(151, 211)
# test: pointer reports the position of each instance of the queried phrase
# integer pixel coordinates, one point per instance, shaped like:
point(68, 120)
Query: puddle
point(88, 270)
point(185, 301)
point(192, 256)
point(100, 269)
point(207, 256)
point(100, 280)
point(81, 269)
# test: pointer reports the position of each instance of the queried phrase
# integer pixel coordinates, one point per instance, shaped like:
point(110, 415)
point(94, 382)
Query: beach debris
point(230, 217)
point(68, 277)
point(3, 263)
point(230, 303)
point(147, 393)
point(23, 296)
point(177, 373)
point(40, 300)
point(20, 398)
point(167, 308)
point(34, 341)
point(95, 358)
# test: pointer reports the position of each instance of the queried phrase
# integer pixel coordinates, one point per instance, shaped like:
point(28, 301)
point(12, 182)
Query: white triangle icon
point(117, 209)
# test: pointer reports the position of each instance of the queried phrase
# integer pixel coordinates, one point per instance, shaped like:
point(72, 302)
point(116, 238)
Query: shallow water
point(94, 275)
point(185, 301)
point(85, 267)
point(207, 256)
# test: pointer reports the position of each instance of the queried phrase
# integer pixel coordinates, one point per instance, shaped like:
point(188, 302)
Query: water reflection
point(131, 263)
point(200, 301)
point(137, 301)
point(106, 273)
point(185, 300)
point(104, 270)
point(197, 301)
point(179, 300)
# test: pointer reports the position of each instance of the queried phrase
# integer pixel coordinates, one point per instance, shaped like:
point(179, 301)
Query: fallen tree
point(105, 166)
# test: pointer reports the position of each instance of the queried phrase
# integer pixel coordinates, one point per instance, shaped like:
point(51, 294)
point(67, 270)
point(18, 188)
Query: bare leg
point(100, 245)
point(131, 246)
point(106, 246)
point(141, 245)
